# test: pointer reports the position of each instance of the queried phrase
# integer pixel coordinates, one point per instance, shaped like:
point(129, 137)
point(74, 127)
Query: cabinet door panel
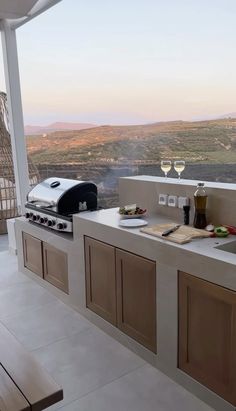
point(32, 249)
point(100, 279)
point(136, 297)
point(55, 267)
point(207, 334)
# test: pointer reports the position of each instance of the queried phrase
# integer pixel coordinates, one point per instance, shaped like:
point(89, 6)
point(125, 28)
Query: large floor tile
point(17, 298)
point(44, 325)
point(3, 242)
point(8, 261)
point(145, 389)
point(86, 361)
point(9, 273)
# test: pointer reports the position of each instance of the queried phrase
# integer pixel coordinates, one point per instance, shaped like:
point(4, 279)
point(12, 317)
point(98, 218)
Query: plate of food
point(132, 211)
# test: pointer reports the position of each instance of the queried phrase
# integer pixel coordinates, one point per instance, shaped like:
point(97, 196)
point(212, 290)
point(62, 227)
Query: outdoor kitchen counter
point(199, 257)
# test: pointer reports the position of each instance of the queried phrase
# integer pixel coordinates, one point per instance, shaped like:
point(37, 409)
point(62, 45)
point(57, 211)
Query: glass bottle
point(200, 202)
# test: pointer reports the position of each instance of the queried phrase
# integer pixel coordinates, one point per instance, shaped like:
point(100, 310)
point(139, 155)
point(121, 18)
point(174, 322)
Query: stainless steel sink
point(229, 247)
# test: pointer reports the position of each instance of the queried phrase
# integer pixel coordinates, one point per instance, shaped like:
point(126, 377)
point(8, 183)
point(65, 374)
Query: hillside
point(211, 141)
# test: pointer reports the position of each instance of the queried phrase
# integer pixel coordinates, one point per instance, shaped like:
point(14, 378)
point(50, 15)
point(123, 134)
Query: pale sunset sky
point(128, 61)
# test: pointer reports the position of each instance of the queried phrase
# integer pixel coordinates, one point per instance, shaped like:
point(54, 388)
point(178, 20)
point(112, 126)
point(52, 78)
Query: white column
point(12, 78)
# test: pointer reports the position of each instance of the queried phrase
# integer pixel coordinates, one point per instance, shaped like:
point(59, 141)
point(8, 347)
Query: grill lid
point(63, 195)
point(50, 190)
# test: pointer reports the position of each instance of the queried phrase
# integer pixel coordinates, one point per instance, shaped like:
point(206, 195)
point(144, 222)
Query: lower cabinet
point(207, 334)
point(136, 297)
point(55, 267)
point(121, 288)
point(100, 279)
point(32, 249)
point(46, 261)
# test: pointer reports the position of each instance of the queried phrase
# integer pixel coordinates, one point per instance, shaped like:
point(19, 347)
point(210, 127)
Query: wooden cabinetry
point(100, 279)
point(46, 261)
point(207, 334)
point(55, 267)
point(121, 288)
point(136, 297)
point(32, 249)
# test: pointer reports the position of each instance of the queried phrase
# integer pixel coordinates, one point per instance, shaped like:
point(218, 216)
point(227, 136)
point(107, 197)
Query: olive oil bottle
point(200, 202)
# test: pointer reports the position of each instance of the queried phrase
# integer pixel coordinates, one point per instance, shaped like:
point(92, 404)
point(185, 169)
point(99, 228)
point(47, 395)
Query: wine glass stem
point(179, 175)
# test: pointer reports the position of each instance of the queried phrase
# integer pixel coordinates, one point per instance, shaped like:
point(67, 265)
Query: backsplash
point(145, 190)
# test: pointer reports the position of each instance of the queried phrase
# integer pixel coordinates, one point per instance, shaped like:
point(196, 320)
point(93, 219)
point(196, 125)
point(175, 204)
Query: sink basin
point(229, 247)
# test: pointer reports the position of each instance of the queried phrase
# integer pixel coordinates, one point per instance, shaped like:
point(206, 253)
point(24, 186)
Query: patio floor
point(96, 372)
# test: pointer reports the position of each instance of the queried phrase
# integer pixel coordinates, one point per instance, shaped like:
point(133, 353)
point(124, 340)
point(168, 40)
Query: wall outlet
point(172, 201)
point(163, 199)
point(183, 201)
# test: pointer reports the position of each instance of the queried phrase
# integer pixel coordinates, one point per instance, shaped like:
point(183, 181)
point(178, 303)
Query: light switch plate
point(172, 201)
point(163, 199)
point(183, 201)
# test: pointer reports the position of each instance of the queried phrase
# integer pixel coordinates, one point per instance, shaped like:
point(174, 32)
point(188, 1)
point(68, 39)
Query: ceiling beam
point(39, 8)
point(13, 9)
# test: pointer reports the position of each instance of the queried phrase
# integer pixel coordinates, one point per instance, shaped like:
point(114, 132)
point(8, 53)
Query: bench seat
point(24, 384)
point(10, 396)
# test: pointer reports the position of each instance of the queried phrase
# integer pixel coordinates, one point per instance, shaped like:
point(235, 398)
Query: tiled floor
point(96, 372)
point(3, 242)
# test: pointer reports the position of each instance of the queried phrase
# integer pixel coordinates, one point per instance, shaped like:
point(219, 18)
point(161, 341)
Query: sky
point(128, 61)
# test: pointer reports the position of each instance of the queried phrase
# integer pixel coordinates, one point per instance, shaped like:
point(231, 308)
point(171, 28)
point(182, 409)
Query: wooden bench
point(24, 384)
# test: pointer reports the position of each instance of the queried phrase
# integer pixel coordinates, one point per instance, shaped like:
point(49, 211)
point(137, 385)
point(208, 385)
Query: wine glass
point(179, 166)
point(166, 166)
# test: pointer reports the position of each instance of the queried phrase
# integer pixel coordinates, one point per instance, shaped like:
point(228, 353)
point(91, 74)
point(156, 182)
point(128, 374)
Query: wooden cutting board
point(183, 235)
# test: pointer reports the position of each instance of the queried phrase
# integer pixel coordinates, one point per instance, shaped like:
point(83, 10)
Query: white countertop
point(204, 247)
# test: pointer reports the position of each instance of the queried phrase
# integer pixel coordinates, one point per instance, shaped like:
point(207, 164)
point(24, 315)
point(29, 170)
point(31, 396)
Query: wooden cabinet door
point(32, 249)
point(207, 334)
point(136, 297)
point(55, 267)
point(100, 279)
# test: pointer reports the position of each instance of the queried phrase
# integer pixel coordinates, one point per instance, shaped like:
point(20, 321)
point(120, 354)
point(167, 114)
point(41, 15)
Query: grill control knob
point(42, 220)
point(34, 217)
point(61, 226)
point(51, 223)
point(37, 217)
point(27, 215)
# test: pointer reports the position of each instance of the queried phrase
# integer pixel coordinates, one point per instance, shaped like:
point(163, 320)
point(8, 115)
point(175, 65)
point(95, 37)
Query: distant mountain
point(229, 115)
point(58, 126)
point(215, 117)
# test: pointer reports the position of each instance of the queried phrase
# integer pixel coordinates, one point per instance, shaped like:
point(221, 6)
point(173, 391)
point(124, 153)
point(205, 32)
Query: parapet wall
point(145, 190)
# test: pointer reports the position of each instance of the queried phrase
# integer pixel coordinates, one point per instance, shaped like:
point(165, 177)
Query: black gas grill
point(53, 202)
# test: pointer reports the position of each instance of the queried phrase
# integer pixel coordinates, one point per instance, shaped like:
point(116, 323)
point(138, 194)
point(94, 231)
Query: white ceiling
point(14, 9)
point(19, 12)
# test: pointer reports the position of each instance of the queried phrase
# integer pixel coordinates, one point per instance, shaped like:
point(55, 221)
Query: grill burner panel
point(49, 218)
